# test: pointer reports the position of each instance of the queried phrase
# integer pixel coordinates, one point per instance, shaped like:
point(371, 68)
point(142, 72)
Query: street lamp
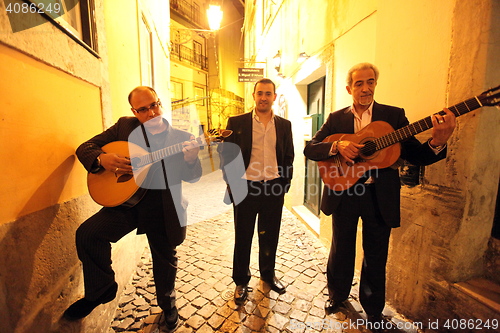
point(214, 15)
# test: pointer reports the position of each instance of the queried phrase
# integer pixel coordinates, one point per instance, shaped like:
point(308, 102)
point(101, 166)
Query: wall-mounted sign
point(250, 74)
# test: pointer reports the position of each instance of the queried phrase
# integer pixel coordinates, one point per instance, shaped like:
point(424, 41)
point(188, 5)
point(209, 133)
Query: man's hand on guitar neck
point(190, 150)
point(349, 150)
point(115, 163)
point(443, 127)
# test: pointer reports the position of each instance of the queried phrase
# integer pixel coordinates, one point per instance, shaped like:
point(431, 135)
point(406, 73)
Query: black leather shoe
point(276, 285)
point(332, 306)
point(83, 307)
point(171, 318)
point(241, 294)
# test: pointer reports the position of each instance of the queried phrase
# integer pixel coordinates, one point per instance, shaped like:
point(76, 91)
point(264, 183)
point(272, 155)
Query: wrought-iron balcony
point(185, 54)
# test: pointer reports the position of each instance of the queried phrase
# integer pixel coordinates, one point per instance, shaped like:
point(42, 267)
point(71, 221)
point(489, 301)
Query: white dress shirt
point(263, 162)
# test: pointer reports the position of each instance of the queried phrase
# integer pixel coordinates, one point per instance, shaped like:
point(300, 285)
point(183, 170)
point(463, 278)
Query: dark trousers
point(341, 262)
point(265, 200)
point(93, 244)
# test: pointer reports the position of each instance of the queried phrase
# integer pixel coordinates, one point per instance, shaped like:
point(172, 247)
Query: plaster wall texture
point(457, 219)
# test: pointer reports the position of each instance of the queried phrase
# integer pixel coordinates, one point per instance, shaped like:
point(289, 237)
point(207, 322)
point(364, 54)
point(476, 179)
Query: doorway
point(316, 109)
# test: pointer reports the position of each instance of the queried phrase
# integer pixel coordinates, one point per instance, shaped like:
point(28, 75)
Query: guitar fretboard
point(160, 154)
point(418, 127)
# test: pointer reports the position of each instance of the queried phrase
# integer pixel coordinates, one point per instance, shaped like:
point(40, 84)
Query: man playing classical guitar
point(377, 203)
point(157, 214)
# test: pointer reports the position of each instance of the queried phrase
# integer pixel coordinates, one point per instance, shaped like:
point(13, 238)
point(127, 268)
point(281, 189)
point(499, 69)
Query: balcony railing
point(185, 54)
point(189, 9)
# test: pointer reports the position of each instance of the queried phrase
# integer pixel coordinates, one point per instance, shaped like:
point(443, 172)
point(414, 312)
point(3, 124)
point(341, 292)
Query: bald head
point(141, 89)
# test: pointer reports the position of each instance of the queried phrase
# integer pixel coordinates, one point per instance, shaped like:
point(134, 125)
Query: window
point(199, 93)
point(73, 17)
point(176, 91)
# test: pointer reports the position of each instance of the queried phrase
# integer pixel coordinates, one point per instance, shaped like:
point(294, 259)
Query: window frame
point(87, 17)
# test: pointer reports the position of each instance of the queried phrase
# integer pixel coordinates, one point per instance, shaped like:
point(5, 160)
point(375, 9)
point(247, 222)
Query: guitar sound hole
point(369, 149)
point(124, 178)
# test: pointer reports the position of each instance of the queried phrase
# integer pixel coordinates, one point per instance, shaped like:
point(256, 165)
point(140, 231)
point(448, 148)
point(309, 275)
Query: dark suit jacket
point(241, 125)
point(387, 183)
point(178, 169)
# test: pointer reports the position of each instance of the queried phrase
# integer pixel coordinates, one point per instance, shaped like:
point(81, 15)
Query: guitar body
point(109, 189)
point(338, 175)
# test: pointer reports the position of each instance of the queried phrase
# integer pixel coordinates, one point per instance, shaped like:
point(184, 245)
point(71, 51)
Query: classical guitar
point(382, 146)
point(110, 190)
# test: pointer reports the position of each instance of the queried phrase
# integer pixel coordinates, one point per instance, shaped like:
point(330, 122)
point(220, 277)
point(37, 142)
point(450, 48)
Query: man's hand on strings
point(349, 150)
point(443, 126)
point(115, 163)
point(190, 150)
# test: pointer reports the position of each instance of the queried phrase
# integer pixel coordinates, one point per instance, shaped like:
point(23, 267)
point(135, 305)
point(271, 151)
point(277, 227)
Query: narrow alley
point(205, 288)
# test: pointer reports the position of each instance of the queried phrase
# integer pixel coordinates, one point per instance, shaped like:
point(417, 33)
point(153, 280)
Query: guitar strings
point(423, 124)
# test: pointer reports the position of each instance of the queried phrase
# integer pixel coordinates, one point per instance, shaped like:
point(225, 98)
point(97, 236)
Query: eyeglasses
point(147, 108)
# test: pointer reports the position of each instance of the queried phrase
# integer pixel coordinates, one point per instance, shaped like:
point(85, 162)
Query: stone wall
point(447, 220)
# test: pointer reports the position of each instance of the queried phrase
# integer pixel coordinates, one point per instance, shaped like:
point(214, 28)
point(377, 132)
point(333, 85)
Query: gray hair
point(360, 66)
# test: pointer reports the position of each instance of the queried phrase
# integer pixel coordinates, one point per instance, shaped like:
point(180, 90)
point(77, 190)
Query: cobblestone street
point(205, 287)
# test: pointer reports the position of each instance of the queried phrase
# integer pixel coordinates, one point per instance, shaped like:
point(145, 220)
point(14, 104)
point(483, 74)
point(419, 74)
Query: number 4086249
point(24, 8)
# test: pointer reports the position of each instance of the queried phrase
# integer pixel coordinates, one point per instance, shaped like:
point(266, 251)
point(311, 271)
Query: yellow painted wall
point(124, 53)
point(230, 46)
point(45, 115)
point(124, 63)
point(413, 55)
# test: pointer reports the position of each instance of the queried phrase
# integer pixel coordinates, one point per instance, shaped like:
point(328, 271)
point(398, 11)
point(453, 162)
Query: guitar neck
point(424, 124)
point(159, 155)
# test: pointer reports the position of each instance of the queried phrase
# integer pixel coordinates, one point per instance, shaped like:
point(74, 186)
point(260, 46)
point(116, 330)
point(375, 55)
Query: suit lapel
point(347, 121)
point(246, 129)
point(278, 124)
point(378, 113)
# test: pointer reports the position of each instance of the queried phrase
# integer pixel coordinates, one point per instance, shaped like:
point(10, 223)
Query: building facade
point(204, 86)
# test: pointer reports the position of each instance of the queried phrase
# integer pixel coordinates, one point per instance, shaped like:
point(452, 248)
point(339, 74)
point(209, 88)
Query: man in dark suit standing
point(378, 202)
point(159, 214)
point(264, 141)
